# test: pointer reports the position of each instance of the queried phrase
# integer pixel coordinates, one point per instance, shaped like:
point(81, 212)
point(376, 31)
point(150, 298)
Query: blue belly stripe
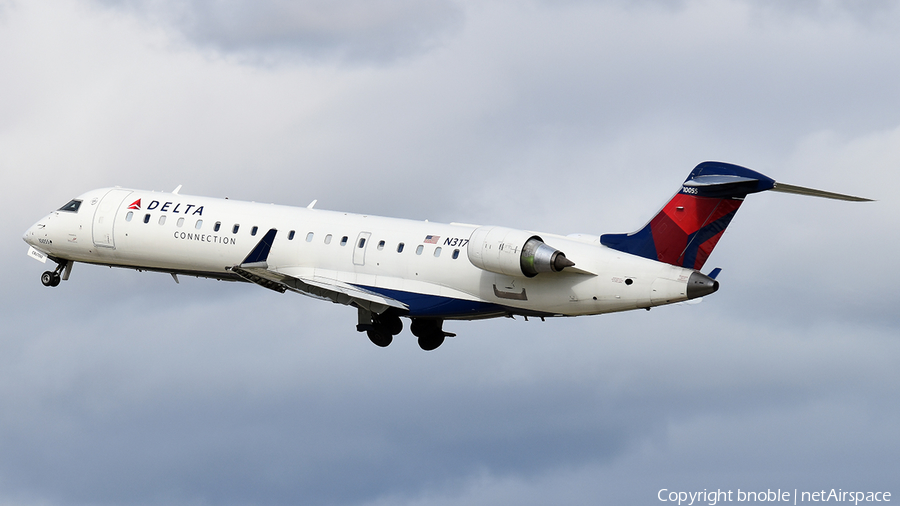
point(436, 306)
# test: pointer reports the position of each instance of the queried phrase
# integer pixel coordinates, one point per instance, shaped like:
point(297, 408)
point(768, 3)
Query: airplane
point(388, 268)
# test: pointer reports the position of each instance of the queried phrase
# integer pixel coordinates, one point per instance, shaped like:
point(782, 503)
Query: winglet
point(261, 252)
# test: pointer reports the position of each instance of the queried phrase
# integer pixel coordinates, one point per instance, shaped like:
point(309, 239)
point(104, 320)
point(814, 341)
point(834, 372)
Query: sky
point(120, 387)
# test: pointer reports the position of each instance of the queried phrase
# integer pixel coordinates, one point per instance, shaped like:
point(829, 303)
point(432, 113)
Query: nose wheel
point(50, 278)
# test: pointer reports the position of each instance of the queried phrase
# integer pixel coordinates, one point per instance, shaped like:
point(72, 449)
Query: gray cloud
point(165, 408)
point(274, 30)
point(123, 387)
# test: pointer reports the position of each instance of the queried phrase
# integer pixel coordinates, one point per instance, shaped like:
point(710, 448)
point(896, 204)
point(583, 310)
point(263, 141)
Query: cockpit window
point(72, 206)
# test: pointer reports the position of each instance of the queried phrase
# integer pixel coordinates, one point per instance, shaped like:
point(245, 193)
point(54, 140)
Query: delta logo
point(178, 208)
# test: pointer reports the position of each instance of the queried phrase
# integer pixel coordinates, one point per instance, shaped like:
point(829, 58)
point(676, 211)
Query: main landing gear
point(430, 332)
point(381, 329)
point(386, 326)
point(52, 278)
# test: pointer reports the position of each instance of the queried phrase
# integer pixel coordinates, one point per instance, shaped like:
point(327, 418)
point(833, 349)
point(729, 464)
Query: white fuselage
point(431, 274)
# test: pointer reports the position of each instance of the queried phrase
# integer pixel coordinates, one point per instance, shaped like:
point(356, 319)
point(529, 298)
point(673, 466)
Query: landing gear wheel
point(381, 339)
point(50, 278)
point(431, 342)
point(429, 332)
point(392, 324)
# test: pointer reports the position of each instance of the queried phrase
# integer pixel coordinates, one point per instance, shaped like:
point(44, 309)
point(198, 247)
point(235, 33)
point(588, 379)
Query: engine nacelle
point(513, 252)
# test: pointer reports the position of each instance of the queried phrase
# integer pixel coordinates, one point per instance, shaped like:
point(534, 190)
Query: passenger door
point(359, 248)
point(105, 216)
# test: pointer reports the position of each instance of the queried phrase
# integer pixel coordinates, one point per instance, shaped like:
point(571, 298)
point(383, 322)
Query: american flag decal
point(432, 239)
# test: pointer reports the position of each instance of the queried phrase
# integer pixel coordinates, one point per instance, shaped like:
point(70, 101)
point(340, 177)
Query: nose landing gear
point(52, 278)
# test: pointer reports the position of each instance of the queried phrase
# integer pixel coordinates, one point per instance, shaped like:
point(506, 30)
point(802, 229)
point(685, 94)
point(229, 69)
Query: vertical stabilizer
point(690, 225)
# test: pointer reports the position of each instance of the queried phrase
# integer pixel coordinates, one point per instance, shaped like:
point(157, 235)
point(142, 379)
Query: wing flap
point(255, 269)
point(334, 286)
point(317, 287)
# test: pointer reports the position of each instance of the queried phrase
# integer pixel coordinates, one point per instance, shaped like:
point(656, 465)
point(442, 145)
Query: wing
point(255, 269)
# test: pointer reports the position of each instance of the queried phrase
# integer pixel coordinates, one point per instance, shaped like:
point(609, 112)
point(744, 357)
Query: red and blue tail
point(687, 229)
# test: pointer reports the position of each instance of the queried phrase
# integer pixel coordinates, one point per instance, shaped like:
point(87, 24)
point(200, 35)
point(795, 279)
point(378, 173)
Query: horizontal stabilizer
point(718, 180)
point(799, 190)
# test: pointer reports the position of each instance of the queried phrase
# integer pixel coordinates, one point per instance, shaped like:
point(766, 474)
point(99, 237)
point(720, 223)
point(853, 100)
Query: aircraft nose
point(30, 236)
point(699, 285)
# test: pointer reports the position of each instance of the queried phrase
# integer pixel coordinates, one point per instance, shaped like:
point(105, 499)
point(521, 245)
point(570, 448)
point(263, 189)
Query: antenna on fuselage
point(176, 190)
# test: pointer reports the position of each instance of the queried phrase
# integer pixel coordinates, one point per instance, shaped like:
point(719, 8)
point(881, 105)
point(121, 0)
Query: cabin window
point(217, 226)
point(147, 218)
point(235, 229)
point(328, 239)
point(162, 219)
point(72, 206)
point(362, 242)
point(254, 230)
point(400, 247)
point(380, 245)
point(309, 237)
point(291, 235)
point(344, 241)
point(129, 215)
point(437, 252)
point(180, 222)
point(455, 254)
point(198, 224)
point(419, 249)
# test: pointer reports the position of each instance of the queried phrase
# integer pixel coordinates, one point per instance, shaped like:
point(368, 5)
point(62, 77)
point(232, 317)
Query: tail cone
point(561, 262)
point(699, 285)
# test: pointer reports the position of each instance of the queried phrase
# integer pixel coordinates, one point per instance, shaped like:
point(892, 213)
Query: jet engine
point(513, 252)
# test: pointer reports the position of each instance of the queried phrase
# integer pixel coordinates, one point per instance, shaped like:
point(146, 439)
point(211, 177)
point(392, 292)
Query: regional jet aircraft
point(390, 268)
